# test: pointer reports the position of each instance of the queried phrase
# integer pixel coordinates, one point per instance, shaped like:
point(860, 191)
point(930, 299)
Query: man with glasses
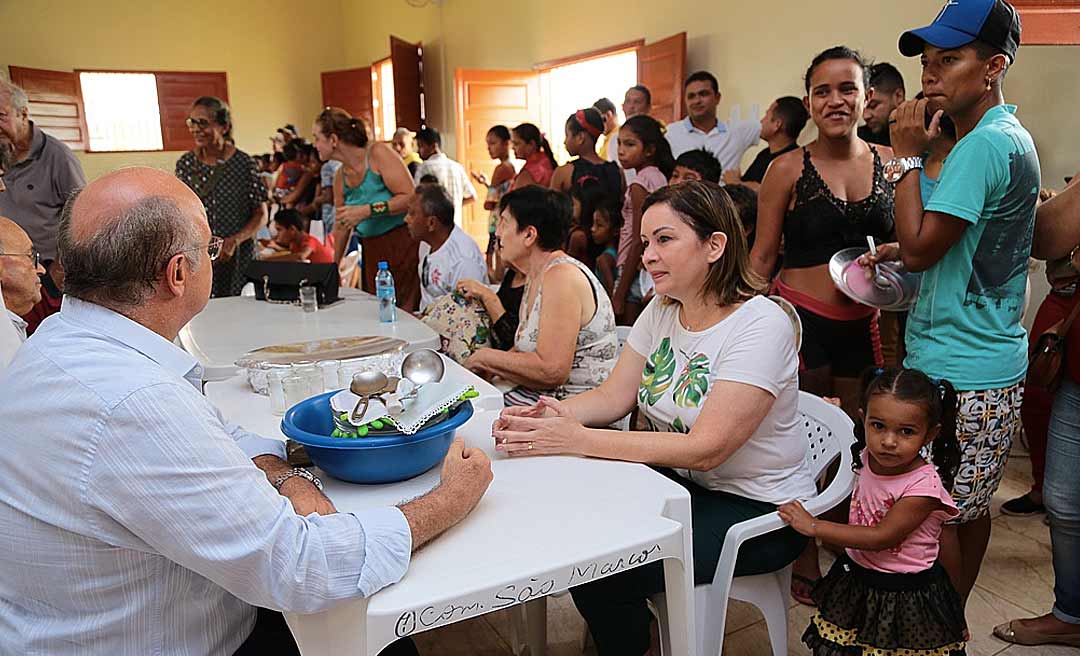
point(40, 175)
point(20, 268)
point(136, 519)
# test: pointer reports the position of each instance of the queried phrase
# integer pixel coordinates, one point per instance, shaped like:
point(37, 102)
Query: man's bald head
point(118, 232)
point(112, 195)
point(19, 281)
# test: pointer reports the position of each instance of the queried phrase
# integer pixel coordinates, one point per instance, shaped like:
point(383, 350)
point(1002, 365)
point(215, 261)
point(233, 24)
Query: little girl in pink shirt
point(889, 595)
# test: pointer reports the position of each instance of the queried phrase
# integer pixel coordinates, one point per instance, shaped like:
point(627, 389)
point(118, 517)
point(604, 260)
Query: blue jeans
point(1061, 494)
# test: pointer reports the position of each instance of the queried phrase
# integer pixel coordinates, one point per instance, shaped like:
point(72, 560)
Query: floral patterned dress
point(230, 200)
point(596, 350)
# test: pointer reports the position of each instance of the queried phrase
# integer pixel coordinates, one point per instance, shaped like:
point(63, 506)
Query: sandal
point(1016, 633)
point(801, 592)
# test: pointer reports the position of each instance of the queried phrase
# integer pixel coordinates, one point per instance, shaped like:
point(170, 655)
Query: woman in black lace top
point(823, 198)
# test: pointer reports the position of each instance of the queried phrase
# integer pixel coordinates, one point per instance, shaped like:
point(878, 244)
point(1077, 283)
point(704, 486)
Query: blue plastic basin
point(383, 459)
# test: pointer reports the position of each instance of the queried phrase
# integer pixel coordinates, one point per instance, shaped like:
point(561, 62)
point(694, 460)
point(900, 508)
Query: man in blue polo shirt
point(972, 240)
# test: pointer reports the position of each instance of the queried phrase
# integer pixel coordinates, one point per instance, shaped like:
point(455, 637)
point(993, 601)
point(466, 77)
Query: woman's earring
point(987, 84)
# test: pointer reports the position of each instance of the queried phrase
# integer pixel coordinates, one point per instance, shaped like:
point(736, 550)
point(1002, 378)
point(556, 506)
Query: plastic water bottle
point(384, 291)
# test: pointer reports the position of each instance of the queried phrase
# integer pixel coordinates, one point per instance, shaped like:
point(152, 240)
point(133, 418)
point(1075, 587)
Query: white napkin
point(431, 399)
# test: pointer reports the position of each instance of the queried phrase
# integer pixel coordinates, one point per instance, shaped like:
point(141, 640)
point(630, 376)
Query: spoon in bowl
point(422, 367)
point(365, 385)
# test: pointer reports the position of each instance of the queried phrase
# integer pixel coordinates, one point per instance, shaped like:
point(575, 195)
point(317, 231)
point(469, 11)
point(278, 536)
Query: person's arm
point(560, 180)
point(523, 179)
point(342, 231)
point(469, 191)
point(605, 265)
point(633, 257)
point(730, 415)
point(926, 234)
point(466, 474)
point(906, 515)
point(577, 246)
point(773, 201)
point(1057, 224)
point(560, 323)
point(293, 197)
point(186, 490)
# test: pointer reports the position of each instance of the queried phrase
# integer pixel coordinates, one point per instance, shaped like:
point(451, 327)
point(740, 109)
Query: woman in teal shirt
point(371, 197)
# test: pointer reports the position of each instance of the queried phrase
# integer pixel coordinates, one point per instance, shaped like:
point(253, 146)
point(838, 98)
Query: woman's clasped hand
point(544, 429)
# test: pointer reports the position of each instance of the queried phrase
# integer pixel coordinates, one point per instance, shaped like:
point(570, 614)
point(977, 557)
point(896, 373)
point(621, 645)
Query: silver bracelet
point(302, 473)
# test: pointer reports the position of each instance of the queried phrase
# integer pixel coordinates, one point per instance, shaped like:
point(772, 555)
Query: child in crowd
point(698, 165)
point(293, 243)
point(888, 595)
point(642, 147)
point(606, 225)
point(587, 195)
point(745, 200)
point(447, 253)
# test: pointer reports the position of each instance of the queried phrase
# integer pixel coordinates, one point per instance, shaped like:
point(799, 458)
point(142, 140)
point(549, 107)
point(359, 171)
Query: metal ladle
point(422, 367)
point(879, 278)
point(365, 385)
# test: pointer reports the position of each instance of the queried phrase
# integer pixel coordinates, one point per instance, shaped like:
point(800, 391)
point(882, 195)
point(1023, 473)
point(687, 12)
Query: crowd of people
point(721, 276)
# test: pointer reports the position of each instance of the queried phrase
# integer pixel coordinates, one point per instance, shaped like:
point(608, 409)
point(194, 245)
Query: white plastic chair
point(829, 432)
point(347, 269)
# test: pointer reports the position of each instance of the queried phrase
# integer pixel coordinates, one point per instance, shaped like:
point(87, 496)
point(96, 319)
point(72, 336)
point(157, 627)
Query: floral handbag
point(463, 325)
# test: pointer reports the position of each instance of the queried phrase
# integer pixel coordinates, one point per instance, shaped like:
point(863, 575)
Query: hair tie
point(579, 116)
point(586, 178)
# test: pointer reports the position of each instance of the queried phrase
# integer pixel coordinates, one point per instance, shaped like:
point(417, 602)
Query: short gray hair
point(120, 265)
point(16, 96)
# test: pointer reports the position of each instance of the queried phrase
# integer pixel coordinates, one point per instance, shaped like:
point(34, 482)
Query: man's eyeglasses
point(213, 249)
point(34, 256)
point(200, 123)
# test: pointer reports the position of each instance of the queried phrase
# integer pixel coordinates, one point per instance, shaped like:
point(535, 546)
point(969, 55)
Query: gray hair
point(120, 265)
point(16, 96)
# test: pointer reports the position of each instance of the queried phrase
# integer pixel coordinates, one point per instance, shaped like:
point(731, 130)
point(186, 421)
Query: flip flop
point(1017, 633)
point(803, 598)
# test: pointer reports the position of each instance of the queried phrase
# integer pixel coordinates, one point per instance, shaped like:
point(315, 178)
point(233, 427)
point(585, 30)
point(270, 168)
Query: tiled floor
point(1016, 581)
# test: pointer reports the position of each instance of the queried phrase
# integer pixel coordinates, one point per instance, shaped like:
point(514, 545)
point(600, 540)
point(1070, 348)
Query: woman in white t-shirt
point(713, 368)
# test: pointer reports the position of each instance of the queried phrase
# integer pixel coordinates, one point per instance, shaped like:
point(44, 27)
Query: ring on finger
point(530, 447)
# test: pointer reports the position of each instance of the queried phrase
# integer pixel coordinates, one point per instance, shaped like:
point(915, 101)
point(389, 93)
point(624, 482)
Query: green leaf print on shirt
point(659, 370)
point(693, 381)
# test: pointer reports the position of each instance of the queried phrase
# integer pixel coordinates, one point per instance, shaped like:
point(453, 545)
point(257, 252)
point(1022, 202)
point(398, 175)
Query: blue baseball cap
point(960, 22)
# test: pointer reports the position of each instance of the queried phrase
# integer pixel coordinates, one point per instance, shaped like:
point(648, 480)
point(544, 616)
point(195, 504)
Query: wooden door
point(176, 93)
point(662, 68)
point(408, 62)
point(484, 99)
point(350, 90)
point(55, 103)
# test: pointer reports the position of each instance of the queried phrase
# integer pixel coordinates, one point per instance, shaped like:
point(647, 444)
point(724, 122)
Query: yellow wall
point(272, 51)
point(757, 50)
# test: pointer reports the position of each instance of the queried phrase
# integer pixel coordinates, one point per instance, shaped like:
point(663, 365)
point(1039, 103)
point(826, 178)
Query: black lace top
point(821, 224)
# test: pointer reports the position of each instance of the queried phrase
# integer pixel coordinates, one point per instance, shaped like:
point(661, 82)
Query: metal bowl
point(856, 282)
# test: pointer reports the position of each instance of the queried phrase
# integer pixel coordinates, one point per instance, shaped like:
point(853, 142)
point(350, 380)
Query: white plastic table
point(544, 525)
point(230, 327)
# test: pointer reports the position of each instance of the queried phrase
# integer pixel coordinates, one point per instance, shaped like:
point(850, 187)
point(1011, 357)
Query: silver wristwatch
point(897, 167)
point(301, 473)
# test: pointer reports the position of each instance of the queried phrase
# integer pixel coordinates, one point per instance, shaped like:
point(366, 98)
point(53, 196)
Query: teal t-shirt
point(372, 190)
point(965, 326)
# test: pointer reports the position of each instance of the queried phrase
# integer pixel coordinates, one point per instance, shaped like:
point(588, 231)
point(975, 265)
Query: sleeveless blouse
point(820, 224)
point(595, 351)
point(371, 190)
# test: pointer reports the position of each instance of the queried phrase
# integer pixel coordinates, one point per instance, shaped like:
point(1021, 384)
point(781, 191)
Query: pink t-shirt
point(874, 495)
point(651, 178)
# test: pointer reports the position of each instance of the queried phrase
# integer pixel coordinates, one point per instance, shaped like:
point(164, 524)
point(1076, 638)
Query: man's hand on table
point(466, 474)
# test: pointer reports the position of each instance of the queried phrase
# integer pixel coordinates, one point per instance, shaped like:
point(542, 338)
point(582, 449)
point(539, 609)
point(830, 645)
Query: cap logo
point(948, 3)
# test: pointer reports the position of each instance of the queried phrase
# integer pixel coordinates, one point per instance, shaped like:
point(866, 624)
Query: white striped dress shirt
point(132, 520)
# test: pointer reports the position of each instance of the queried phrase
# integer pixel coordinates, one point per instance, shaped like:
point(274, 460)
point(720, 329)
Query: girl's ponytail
point(946, 447)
